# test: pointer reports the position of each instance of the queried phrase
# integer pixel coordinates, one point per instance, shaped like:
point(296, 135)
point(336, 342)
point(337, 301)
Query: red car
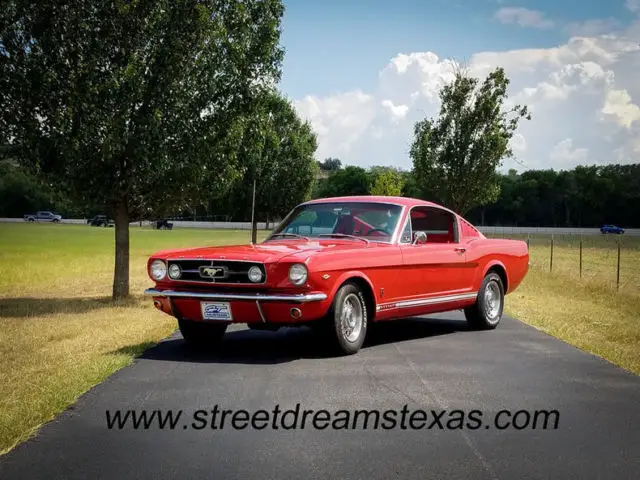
point(340, 264)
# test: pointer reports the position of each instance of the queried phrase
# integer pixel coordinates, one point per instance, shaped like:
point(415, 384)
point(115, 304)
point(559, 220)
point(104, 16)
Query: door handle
point(460, 249)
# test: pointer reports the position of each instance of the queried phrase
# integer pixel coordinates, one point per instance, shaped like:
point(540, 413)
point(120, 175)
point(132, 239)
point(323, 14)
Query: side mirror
point(419, 238)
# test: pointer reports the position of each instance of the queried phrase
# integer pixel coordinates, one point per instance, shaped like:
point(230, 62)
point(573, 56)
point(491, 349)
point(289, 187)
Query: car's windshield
point(369, 220)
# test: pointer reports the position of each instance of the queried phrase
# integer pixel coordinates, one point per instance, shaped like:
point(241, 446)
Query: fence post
point(580, 256)
point(618, 269)
point(551, 257)
point(528, 238)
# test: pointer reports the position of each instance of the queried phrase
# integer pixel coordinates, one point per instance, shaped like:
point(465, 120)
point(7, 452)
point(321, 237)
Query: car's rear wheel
point(201, 334)
point(486, 313)
point(347, 319)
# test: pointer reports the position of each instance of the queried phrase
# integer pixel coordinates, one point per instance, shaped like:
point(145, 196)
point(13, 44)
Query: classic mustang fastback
point(340, 264)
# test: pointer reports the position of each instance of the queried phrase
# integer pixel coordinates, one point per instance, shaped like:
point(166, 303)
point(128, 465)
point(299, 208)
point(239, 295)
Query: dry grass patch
point(586, 312)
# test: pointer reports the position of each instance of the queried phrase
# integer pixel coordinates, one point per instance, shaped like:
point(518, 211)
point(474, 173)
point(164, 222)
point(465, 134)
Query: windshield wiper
point(343, 235)
point(286, 235)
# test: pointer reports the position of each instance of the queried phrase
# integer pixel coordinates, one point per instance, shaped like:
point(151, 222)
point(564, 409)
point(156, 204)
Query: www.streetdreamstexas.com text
point(297, 418)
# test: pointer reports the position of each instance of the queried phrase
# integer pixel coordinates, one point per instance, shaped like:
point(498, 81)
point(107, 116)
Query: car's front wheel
point(201, 334)
point(347, 320)
point(486, 313)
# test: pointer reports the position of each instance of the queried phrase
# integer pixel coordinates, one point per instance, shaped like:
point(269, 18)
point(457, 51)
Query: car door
point(437, 267)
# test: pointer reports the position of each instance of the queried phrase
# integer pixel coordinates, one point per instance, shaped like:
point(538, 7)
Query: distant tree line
point(586, 196)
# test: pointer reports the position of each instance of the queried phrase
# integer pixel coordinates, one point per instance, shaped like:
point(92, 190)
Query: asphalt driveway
point(431, 364)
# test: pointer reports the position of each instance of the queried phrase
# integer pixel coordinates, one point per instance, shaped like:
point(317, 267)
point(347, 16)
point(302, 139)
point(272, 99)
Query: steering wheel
point(378, 230)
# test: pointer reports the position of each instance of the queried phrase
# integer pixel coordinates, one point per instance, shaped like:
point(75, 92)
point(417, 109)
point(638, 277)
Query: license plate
point(216, 311)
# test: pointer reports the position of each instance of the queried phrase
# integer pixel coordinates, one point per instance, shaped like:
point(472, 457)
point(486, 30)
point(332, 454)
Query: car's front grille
point(217, 271)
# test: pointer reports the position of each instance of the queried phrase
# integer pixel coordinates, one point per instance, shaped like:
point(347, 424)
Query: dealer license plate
point(216, 311)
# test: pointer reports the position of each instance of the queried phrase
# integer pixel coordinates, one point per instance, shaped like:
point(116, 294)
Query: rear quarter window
point(468, 230)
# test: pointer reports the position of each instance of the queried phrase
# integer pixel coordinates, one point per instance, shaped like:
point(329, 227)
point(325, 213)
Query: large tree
point(277, 153)
point(456, 156)
point(136, 104)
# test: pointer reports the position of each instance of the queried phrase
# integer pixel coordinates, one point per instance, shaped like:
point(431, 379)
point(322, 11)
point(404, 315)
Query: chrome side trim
point(426, 301)
point(283, 297)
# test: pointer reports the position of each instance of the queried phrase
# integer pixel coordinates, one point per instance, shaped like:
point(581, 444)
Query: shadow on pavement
point(288, 344)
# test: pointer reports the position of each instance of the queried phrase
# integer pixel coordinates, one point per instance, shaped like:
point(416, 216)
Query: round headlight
point(158, 270)
point(298, 274)
point(175, 271)
point(255, 274)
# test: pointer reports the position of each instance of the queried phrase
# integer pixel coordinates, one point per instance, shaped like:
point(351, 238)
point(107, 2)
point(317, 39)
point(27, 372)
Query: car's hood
point(269, 252)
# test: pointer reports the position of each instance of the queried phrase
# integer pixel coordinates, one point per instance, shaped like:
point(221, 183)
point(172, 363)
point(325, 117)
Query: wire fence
point(608, 260)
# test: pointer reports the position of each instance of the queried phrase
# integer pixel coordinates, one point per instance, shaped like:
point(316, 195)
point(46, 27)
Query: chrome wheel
point(493, 301)
point(351, 318)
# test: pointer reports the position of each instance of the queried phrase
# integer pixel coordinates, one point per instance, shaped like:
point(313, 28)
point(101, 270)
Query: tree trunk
point(121, 271)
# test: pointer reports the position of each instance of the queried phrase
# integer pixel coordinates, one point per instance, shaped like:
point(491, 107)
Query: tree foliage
point(278, 153)
point(330, 164)
point(587, 196)
point(386, 181)
point(139, 105)
point(455, 156)
point(351, 180)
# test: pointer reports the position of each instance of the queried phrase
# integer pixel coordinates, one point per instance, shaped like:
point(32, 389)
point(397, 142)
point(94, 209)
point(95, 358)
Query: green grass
point(60, 334)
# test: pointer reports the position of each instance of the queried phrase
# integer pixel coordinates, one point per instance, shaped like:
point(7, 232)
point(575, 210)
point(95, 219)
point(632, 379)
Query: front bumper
point(279, 308)
point(289, 298)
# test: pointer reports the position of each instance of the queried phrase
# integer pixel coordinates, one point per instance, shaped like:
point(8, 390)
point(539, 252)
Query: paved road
point(431, 363)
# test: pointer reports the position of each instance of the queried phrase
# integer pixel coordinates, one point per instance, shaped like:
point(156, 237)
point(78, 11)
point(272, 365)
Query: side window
point(438, 224)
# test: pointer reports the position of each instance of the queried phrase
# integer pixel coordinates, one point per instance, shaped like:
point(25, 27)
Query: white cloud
point(633, 5)
point(564, 156)
point(523, 17)
point(618, 104)
point(583, 95)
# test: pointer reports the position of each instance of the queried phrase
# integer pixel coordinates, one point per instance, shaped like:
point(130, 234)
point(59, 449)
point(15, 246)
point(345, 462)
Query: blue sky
point(362, 72)
point(338, 45)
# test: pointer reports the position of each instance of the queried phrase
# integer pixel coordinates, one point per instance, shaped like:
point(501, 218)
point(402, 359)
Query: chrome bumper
point(289, 298)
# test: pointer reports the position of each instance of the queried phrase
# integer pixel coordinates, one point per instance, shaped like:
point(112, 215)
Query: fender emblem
point(325, 276)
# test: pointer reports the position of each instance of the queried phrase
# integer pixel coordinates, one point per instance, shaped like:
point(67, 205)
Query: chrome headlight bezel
point(176, 268)
point(158, 270)
point(254, 269)
point(298, 274)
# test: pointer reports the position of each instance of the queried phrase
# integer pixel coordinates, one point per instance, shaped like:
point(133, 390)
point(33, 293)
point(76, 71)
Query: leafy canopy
point(278, 153)
point(387, 182)
point(133, 104)
point(455, 156)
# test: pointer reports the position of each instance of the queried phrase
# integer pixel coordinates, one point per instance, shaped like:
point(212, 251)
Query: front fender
point(344, 276)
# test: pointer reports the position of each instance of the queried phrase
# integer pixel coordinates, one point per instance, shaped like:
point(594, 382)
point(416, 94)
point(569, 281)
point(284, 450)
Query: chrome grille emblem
point(213, 272)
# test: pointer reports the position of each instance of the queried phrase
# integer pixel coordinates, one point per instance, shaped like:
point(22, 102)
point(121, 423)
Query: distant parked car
point(100, 221)
point(43, 217)
point(611, 229)
point(164, 224)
